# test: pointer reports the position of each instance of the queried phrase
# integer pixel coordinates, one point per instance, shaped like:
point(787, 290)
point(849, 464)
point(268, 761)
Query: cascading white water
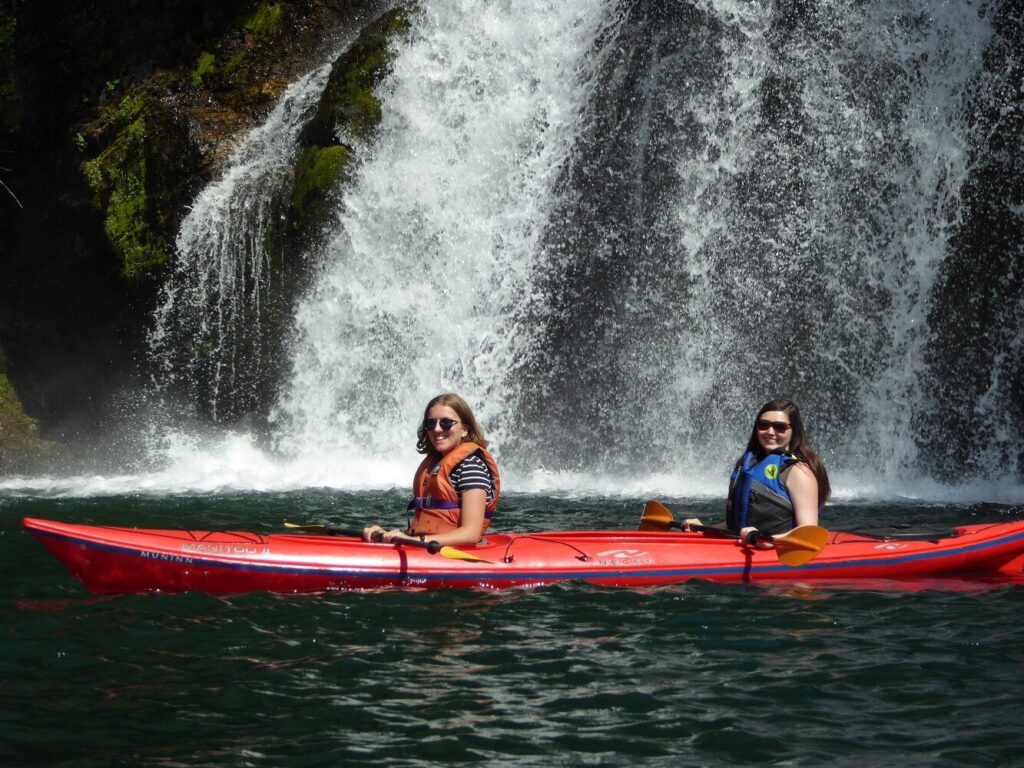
point(763, 194)
point(811, 251)
point(209, 314)
point(437, 235)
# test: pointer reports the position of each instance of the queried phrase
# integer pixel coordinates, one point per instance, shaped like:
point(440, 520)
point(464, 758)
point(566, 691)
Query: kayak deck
point(109, 559)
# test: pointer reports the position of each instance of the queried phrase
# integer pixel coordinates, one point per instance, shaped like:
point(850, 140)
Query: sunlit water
point(692, 674)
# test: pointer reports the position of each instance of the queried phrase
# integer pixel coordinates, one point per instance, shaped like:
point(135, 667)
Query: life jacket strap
point(425, 502)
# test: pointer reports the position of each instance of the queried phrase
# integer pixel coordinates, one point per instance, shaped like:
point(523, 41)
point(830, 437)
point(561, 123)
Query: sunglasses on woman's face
point(446, 424)
point(780, 427)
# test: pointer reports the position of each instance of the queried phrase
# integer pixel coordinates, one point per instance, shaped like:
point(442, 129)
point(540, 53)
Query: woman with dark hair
point(456, 488)
point(779, 482)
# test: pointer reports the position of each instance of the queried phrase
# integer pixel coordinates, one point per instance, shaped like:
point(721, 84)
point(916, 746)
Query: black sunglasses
point(780, 427)
point(446, 424)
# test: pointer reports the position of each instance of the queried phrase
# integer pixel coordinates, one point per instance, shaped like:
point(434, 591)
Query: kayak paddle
point(433, 547)
point(794, 548)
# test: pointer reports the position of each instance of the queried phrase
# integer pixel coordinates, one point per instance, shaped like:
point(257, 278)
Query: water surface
point(572, 674)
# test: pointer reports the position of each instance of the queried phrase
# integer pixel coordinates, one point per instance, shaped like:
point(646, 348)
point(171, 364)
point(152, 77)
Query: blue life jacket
point(758, 497)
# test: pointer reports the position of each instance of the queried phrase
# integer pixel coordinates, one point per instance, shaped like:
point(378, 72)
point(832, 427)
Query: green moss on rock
point(348, 108)
point(205, 66)
point(265, 20)
point(19, 433)
point(317, 171)
point(349, 104)
point(118, 178)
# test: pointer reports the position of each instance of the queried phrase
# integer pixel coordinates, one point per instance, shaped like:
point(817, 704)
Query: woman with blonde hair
point(457, 485)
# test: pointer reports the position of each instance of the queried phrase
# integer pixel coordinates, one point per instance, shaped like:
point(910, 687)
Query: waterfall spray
point(208, 328)
point(616, 230)
point(437, 234)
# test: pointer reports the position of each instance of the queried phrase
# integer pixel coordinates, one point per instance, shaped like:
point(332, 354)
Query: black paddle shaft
point(755, 535)
point(333, 529)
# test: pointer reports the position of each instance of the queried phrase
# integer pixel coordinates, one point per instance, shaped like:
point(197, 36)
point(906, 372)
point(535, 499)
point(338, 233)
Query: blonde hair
point(473, 432)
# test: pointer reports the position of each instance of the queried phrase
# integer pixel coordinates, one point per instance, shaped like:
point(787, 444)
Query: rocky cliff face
point(115, 115)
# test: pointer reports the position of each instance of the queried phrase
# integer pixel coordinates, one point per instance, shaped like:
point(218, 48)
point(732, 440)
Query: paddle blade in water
point(656, 517)
point(307, 528)
point(330, 529)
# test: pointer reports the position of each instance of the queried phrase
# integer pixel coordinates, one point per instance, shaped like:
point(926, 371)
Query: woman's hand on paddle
point(691, 521)
point(758, 542)
point(376, 533)
point(373, 531)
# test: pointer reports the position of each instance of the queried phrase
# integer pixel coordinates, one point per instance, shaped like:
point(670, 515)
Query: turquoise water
point(692, 674)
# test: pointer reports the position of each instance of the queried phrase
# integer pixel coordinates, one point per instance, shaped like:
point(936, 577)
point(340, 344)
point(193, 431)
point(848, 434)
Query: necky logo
point(621, 553)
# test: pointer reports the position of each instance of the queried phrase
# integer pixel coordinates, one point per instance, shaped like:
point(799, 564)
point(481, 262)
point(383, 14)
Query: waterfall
point(773, 223)
point(437, 235)
point(210, 326)
point(618, 227)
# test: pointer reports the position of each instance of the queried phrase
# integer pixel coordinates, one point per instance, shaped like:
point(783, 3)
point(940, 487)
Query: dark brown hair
point(799, 444)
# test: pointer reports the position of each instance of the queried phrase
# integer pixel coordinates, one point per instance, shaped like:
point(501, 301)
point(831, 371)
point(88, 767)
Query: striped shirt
point(473, 473)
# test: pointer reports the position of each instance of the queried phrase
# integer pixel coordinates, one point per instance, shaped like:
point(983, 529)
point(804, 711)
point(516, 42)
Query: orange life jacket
point(435, 500)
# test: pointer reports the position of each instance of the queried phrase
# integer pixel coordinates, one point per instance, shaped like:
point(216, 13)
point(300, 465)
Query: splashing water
point(812, 241)
point(615, 229)
point(209, 325)
point(437, 235)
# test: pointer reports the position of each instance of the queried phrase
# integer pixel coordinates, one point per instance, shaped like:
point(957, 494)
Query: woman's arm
point(470, 530)
point(471, 520)
point(802, 486)
point(803, 492)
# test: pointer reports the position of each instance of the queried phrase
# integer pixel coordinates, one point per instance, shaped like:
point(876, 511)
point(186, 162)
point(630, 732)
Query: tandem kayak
point(111, 560)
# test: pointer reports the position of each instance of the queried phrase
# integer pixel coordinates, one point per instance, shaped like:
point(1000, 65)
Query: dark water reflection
point(567, 675)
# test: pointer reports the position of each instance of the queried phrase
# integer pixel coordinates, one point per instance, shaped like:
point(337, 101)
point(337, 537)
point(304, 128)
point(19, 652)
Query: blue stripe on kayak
point(480, 575)
point(913, 556)
point(475, 575)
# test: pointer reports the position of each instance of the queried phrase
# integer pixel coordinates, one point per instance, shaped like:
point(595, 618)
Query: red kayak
point(122, 560)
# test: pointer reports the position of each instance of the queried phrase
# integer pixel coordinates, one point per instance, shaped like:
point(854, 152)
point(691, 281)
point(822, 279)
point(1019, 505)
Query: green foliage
point(126, 224)
point(124, 112)
point(264, 20)
point(349, 102)
point(318, 170)
point(118, 177)
point(365, 111)
point(206, 65)
point(8, 26)
point(19, 436)
point(398, 23)
point(236, 61)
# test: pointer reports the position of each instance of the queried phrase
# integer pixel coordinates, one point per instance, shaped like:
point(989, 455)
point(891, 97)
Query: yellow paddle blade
point(801, 545)
point(458, 554)
point(656, 517)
